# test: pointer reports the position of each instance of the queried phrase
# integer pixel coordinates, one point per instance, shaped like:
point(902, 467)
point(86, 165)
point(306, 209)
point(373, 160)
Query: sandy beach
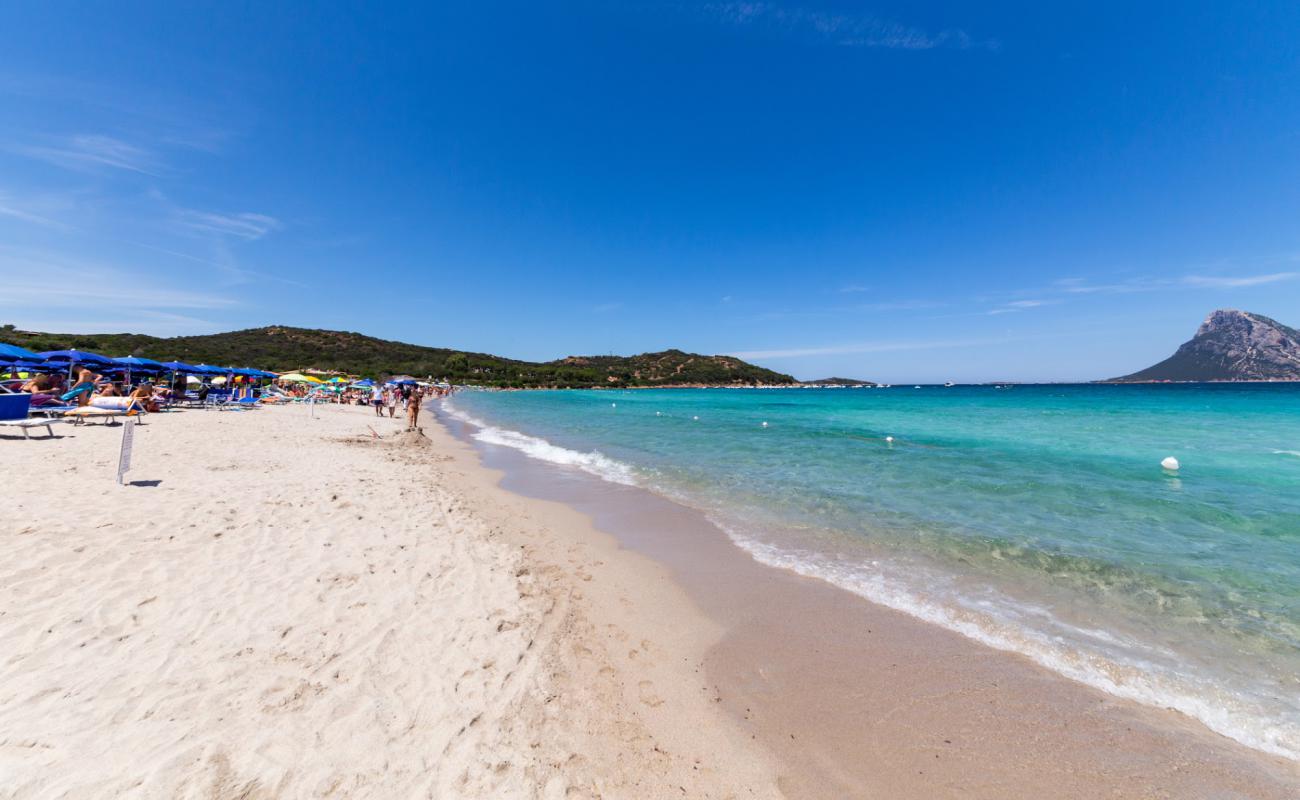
point(282, 605)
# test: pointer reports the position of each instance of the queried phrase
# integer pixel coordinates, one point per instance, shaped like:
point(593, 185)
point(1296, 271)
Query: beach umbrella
point(12, 352)
point(298, 377)
point(137, 364)
point(179, 366)
point(75, 357)
point(366, 383)
point(71, 357)
point(36, 366)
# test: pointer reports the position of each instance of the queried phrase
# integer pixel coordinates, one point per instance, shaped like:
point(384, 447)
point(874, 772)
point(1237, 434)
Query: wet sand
point(858, 700)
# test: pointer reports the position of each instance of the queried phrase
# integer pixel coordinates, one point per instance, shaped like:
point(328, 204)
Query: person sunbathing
point(41, 383)
point(109, 390)
point(143, 397)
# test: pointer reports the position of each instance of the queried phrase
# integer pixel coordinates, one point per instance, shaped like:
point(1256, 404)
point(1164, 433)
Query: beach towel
point(77, 391)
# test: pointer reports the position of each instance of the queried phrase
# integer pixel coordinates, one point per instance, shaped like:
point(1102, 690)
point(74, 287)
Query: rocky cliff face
point(1231, 346)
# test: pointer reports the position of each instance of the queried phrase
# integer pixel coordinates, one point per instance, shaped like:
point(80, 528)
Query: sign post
point(124, 458)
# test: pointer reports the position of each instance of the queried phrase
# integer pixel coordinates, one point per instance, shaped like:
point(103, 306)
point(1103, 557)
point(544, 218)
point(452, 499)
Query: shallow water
point(1035, 519)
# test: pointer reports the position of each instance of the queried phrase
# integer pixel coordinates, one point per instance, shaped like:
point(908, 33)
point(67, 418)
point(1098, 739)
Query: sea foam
point(1096, 658)
point(594, 462)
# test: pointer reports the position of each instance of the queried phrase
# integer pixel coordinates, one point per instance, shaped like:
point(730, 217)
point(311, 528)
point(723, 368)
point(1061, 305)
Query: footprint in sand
point(648, 696)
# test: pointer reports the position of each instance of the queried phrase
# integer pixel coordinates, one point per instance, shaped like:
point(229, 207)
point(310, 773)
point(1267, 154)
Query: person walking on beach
point(391, 396)
point(377, 400)
point(413, 410)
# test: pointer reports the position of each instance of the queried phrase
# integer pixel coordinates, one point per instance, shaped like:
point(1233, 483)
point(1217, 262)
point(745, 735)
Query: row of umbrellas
point(19, 358)
point(25, 359)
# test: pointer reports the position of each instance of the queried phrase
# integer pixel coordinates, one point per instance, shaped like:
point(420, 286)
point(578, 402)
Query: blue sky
point(895, 191)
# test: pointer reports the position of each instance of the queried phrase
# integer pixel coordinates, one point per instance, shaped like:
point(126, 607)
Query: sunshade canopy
point(12, 352)
point(179, 366)
point(75, 357)
point(135, 362)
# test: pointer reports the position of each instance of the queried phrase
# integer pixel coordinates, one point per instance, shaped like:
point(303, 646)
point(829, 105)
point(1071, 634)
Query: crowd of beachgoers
point(80, 385)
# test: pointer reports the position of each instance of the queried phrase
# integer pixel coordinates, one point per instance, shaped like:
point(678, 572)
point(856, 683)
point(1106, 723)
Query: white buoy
point(613, 405)
point(1170, 463)
point(697, 419)
point(889, 439)
point(657, 414)
point(764, 424)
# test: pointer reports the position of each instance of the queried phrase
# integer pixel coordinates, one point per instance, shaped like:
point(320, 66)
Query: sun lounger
point(108, 415)
point(26, 424)
point(13, 414)
point(49, 411)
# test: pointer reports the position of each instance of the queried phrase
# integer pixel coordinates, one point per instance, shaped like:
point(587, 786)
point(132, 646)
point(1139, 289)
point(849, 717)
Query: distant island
point(838, 382)
point(1230, 345)
point(285, 348)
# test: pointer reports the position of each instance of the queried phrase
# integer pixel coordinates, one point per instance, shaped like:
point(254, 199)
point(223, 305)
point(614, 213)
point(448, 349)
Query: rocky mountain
point(283, 348)
point(1231, 346)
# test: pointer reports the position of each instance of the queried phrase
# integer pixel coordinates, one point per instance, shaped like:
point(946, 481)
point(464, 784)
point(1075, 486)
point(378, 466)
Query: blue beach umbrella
point(71, 357)
point(26, 366)
point(12, 352)
point(179, 366)
point(135, 362)
point(76, 357)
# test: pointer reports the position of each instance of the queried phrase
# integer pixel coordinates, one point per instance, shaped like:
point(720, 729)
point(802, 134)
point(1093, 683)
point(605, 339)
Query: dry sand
point(288, 606)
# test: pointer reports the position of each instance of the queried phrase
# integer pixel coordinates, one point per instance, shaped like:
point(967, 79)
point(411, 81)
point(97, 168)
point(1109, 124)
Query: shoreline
point(887, 730)
point(282, 605)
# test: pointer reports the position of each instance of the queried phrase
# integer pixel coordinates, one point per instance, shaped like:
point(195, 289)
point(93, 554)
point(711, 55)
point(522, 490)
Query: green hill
point(283, 349)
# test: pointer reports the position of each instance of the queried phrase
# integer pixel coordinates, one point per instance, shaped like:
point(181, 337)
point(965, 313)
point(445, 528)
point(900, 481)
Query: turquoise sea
point(1036, 519)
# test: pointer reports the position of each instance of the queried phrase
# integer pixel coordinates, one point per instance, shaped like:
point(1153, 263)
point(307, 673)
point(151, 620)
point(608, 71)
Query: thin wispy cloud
point(246, 225)
point(11, 209)
point(92, 152)
point(37, 280)
point(843, 29)
point(865, 347)
point(900, 305)
point(1016, 306)
point(605, 308)
point(231, 271)
point(1080, 286)
point(1233, 282)
point(155, 323)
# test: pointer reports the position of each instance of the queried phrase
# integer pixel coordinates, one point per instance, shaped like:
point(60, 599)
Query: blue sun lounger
point(13, 414)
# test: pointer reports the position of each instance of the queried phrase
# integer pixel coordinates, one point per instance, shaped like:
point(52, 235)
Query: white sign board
point(124, 458)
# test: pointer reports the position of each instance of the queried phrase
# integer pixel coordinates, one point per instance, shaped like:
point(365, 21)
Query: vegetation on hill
point(839, 382)
point(283, 349)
